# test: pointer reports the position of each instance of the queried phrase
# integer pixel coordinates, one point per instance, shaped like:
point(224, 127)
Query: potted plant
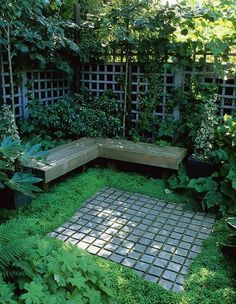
point(200, 163)
point(229, 246)
point(17, 183)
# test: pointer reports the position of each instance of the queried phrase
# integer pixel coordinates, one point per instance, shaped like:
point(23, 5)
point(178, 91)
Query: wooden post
point(1, 83)
point(128, 95)
point(77, 58)
point(46, 187)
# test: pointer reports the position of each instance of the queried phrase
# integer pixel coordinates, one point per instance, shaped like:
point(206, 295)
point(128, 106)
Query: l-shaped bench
point(68, 157)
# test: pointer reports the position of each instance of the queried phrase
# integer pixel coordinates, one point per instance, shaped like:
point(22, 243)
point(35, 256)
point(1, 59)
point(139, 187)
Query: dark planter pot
point(11, 199)
point(198, 168)
point(229, 252)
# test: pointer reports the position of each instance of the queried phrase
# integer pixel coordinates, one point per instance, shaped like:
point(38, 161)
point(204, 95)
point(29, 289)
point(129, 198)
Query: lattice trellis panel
point(47, 86)
point(227, 87)
point(140, 86)
point(99, 78)
point(110, 76)
point(5, 83)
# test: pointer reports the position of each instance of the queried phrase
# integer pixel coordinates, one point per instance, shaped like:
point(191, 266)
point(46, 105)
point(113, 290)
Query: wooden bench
point(68, 157)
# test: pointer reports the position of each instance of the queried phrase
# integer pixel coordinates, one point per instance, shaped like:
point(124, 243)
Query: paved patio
point(159, 240)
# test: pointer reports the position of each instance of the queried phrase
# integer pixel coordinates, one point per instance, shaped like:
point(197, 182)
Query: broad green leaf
point(35, 293)
point(23, 182)
point(78, 280)
point(5, 165)
point(227, 189)
point(3, 177)
point(212, 198)
point(10, 147)
point(231, 222)
point(203, 184)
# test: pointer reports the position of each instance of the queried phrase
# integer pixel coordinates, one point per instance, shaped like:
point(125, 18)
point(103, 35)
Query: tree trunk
point(9, 55)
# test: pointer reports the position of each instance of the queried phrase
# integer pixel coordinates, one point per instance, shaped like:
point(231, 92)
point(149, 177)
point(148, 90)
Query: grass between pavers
point(211, 279)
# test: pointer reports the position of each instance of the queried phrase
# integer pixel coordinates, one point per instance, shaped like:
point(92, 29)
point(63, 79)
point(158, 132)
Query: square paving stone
point(82, 245)
point(147, 258)
point(161, 263)
point(128, 262)
point(104, 253)
point(174, 267)
point(169, 275)
point(159, 240)
point(116, 258)
point(141, 266)
point(177, 288)
point(166, 284)
point(156, 271)
point(151, 278)
point(93, 249)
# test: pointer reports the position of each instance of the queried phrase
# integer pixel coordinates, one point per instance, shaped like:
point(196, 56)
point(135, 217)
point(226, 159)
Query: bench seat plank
point(141, 153)
point(68, 157)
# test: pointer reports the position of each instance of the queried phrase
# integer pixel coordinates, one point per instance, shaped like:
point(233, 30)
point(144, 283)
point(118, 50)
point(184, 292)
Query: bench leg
point(45, 187)
point(111, 165)
point(84, 168)
point(165, 174)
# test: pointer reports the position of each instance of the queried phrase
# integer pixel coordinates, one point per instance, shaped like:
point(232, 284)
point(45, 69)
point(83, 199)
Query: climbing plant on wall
point(28, 31)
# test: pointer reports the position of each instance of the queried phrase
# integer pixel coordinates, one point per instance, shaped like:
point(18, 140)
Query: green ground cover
point(211, 279)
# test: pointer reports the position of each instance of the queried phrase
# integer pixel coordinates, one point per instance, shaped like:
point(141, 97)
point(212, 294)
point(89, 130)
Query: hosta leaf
point(230, 241)
point(231, 222)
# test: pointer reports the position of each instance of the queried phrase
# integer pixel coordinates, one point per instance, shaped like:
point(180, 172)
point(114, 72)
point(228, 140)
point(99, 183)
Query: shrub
point(14, 157)
point(81, 115)
point(7, 123)
point(219, 189)
point(59, 274)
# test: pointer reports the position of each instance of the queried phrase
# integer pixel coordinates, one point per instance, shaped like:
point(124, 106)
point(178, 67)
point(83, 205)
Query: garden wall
point(50, 86)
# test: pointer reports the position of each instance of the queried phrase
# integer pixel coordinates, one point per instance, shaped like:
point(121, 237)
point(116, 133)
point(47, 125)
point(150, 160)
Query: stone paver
point(159, 240)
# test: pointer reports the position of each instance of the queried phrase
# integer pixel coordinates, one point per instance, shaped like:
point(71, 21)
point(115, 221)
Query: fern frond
point(24, 267)
point(14, 228)
point(14, 250)
point(11, 273)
